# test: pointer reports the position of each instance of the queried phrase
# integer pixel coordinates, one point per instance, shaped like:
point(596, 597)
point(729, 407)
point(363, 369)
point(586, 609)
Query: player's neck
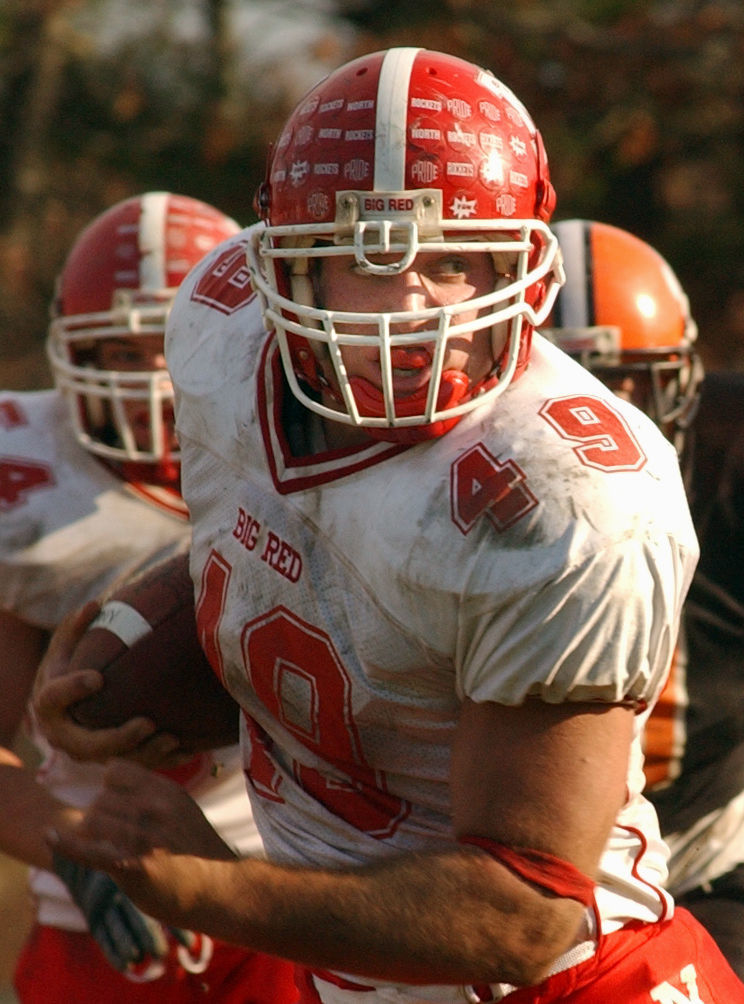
point(338, 435)
point(308, 434)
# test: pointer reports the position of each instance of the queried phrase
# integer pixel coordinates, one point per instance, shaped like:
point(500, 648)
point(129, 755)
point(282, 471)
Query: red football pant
point(61, 967)
point(673, 962)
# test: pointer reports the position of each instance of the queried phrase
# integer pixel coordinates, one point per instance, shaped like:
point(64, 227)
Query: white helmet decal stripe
point(153, 240)
point(575, 309)
point(392, 115)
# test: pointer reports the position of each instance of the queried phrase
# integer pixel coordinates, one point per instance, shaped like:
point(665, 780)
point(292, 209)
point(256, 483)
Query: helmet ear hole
point(545, 201)
point(545, 196)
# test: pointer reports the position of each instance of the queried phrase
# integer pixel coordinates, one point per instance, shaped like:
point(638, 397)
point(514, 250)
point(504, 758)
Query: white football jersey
point(353, 598)
point(69, 530)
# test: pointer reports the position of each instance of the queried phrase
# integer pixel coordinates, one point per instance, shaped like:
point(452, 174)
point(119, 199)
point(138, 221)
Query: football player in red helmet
point(624, 315)
point(458, 171)
point(105, 343)
point(89, 476)
point(443, 601)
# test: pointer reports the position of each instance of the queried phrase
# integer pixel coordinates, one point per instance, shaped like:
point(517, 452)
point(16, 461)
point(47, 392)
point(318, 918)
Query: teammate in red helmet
point(89, 495)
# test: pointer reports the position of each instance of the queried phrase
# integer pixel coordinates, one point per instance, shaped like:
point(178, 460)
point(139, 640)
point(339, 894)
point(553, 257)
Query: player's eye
point(448, 268)
point(125, 355)
point(128, 358)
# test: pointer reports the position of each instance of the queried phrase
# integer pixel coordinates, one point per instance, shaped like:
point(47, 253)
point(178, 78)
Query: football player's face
point(138, 354)
point(434, 279)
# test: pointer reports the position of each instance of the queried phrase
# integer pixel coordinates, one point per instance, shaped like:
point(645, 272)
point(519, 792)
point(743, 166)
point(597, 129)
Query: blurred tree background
point(640, 102)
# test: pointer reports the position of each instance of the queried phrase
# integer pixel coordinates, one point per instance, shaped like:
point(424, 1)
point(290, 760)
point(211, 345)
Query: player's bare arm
point(22, 646)
point(28, 808)
point(461, 917)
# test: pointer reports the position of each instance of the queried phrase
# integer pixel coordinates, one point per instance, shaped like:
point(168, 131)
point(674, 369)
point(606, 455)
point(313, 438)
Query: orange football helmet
point(624, 315)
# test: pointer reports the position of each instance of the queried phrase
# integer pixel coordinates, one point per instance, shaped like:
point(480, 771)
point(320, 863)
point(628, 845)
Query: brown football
point(144, 641)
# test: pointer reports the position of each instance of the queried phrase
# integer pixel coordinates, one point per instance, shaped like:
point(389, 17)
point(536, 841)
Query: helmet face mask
point(112, 301)
point(312, 337)
point(625, 317)
point(400, 118)
point(664, 388)
point(106, 400)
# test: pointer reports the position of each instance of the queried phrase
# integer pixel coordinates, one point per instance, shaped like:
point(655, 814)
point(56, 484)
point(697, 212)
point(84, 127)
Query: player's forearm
point(459, 918)
point(28, 809)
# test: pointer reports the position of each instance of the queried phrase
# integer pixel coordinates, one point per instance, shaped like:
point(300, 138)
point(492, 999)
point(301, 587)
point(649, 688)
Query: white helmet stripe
point(153, 240)
point(575, 305)
point(392, 114)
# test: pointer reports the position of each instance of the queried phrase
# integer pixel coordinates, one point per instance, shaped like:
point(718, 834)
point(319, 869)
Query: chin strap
point(453, 389)
point(164, 473)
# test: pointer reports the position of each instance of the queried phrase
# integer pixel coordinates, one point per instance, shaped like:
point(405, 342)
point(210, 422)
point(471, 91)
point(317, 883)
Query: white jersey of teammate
point(70, 528)
point(352, 599)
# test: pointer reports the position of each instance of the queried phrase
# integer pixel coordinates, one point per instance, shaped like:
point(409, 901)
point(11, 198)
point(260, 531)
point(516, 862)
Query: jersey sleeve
point(603, 630)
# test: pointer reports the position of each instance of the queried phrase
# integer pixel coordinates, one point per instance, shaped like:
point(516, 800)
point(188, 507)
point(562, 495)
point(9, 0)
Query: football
point(144, 641)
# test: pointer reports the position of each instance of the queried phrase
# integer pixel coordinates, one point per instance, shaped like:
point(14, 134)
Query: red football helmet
point(117, 285)
point(624, 315)
point(395, 153)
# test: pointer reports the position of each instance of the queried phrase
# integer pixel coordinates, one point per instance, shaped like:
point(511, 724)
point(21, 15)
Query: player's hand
point(56, 690)
point(132, 942)
point(142, 810)
point(150, 835)
point(139, 811)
